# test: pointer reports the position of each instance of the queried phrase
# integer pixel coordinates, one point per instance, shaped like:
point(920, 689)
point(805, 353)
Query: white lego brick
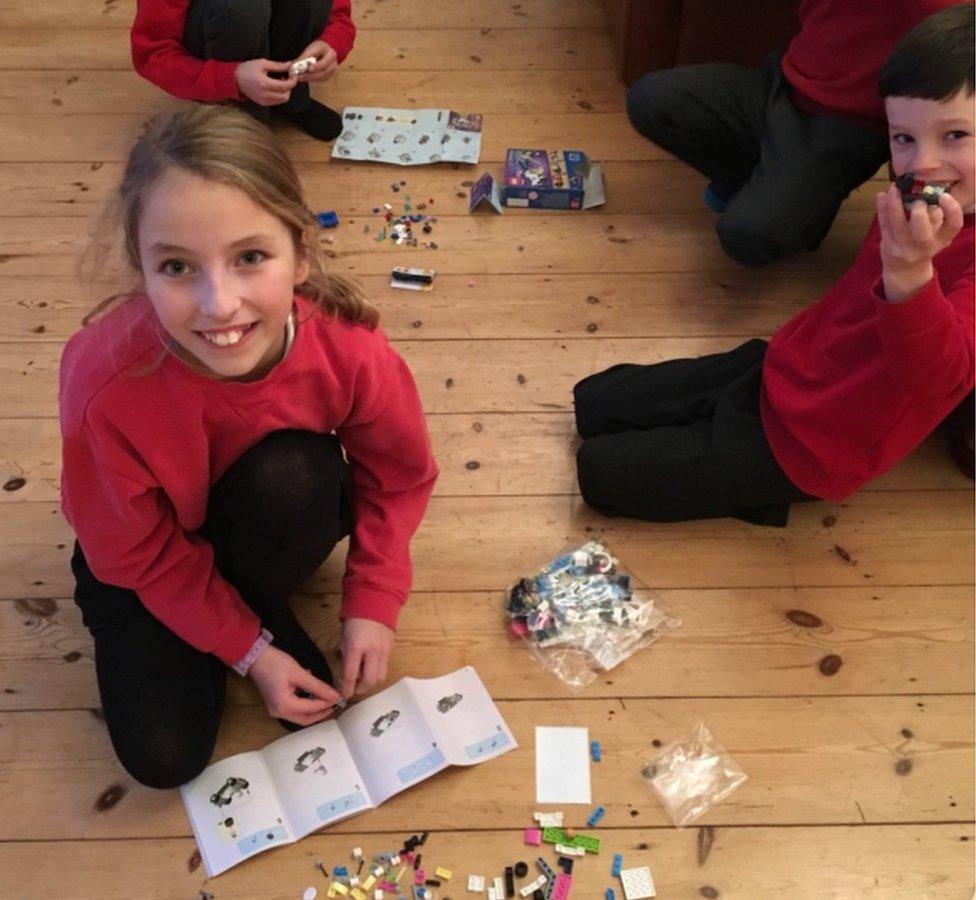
point(549, 820)
point(499, 889)
point(476, 883)
point(564, 850)
point(638, 883)
point(534, 886)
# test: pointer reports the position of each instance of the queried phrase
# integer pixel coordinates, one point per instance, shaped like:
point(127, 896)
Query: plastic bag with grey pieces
point(579, 614)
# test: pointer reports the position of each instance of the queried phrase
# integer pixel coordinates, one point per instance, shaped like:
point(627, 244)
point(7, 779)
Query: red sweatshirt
point(835, 61)
point(854, 383)
point(159, 56)
point(143, 443)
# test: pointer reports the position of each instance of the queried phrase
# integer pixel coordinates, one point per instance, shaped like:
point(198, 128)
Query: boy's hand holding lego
point(910, 241)
point(256, 82)
point(365, 646)
point(327, 62)
point(279, 678)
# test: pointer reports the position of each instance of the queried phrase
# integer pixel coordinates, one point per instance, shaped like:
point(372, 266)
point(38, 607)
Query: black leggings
point(272, 519)
point(239, 30)
point(789, 171)
point(681, 440)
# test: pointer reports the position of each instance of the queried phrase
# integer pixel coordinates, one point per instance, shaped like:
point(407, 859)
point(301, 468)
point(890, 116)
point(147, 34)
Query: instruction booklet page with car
point(376, 748)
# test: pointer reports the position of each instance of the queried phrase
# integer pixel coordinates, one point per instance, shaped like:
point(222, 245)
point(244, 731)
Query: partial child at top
point(242, 50)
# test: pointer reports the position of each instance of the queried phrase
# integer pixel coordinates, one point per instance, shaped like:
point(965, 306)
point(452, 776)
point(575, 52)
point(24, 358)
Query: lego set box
point(552, 179)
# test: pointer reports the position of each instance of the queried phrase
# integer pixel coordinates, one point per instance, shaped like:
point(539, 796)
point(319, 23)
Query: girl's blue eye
point(174, 267)
point(252, 257)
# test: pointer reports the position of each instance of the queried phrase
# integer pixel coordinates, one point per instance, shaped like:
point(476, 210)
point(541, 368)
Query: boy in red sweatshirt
point(242, 50)
point(852, 384)
point(808, 126)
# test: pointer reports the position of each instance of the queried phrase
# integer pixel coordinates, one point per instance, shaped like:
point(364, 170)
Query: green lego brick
point(559, 836)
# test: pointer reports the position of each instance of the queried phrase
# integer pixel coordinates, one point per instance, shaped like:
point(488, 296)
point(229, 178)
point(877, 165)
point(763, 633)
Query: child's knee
point(164, 764)
point(753, 237)
point(649, 104)
point(594, 473)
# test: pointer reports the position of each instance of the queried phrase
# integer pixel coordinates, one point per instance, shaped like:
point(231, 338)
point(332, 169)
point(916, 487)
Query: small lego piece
point(328, 219)
point(442, 873)
point(301, 66)
point(340, 888)
point(358, 894)
point(499, 888)
point(369, 882)
point(491, 893)
point(321, 867)
point(378, 894)
point(353, 881)
point(560, 890)
point(533, 837)
point(310, 893)
point(565, 850)
point(609, 894)
point(424, 835)
point(913, 189)
point(549, 820)
point(566, 864)
point(416, 861)
point(618, 861)
point(340, 872)
point(419, 877)
point(596, 754)
point(534, 886)
point(545, 869)
point(388, 886)
point(432, 882)
point(596, 816)
point(357, 852)
point(638, 883)
point(538, 895)
point(521, 869)
point(562, 836)
point(476, 883)
point(395, 859)
point(509, 881)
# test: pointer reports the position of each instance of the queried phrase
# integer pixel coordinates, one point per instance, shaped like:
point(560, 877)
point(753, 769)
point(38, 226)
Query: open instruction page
point(316, 776)
point(408, 137)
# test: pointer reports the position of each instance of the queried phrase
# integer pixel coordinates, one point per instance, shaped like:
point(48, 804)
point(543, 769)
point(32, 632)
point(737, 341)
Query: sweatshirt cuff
point(248, 659)
point(365, 602)
point(917, 313)
point(225, 80)
point(236, 639)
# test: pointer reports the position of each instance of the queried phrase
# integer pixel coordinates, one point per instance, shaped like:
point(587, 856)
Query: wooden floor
point(860, 779)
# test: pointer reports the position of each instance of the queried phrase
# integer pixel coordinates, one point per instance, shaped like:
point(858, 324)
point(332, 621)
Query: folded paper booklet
point(408, 137)
point(330, 771)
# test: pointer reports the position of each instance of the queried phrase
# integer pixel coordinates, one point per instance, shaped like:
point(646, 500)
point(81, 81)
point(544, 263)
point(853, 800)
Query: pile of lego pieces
point(400, 228)
point(577, 592)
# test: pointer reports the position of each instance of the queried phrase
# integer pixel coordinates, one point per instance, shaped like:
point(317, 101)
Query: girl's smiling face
point(220, 271)
point(934, 139)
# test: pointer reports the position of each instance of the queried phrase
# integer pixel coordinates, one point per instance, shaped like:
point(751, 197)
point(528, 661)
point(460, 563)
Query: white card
point(562, 765)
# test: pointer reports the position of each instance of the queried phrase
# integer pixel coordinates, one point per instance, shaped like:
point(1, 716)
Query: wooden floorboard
point(860, 773)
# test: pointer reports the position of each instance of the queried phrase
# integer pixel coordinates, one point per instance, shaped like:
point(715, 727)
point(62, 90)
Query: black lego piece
point(521, 869)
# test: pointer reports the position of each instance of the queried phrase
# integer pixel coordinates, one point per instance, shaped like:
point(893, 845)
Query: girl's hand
point(255, 81)
point(326, 66)
point(908, 243)
point(278, 677)
point(365, 646)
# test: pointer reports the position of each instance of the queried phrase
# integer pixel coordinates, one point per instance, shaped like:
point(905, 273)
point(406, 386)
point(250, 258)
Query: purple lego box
point(552, 179)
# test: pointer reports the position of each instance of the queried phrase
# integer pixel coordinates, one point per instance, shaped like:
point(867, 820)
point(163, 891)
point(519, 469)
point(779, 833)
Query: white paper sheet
point(562, 765)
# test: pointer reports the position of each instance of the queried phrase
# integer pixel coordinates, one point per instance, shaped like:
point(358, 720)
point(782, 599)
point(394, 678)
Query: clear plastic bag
point(579, 615)
point(690, 776)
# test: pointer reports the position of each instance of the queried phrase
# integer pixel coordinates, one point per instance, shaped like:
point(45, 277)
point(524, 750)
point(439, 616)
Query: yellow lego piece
point(369, 882)
point(358, 894)
point(331, 892)
point(340, 888)
point(444, 874)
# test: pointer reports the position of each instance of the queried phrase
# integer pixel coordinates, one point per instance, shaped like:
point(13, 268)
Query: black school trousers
point(788, 171)
point(272, 519)
point(681, 440)
point(240, 30)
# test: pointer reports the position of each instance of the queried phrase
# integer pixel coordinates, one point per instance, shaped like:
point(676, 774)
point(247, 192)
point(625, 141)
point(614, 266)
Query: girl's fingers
point(921, 224)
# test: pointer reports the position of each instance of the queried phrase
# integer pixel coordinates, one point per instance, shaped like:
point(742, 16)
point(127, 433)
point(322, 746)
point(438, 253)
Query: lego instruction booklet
point(376, 748)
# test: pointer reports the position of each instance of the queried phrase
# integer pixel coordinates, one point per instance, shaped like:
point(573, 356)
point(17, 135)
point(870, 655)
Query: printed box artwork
point(552, 179)
point(408, 137)
point(378, 747)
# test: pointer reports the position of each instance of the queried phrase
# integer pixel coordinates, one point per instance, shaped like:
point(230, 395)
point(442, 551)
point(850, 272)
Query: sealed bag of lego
point(580, 615)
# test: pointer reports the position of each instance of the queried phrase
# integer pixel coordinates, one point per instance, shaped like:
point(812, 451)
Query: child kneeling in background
point(204, 421)
point(848, 387)
point(242, 50)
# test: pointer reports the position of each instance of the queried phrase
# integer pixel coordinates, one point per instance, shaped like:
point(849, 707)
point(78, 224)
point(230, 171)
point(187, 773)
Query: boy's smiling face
point(934, 139)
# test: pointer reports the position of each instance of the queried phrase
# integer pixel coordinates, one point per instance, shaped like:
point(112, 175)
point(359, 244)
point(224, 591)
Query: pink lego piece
point(388, 887)
point(408, 856)
point(419, 877)
point(560, 890)
point(519, 629)
point(533, 837)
